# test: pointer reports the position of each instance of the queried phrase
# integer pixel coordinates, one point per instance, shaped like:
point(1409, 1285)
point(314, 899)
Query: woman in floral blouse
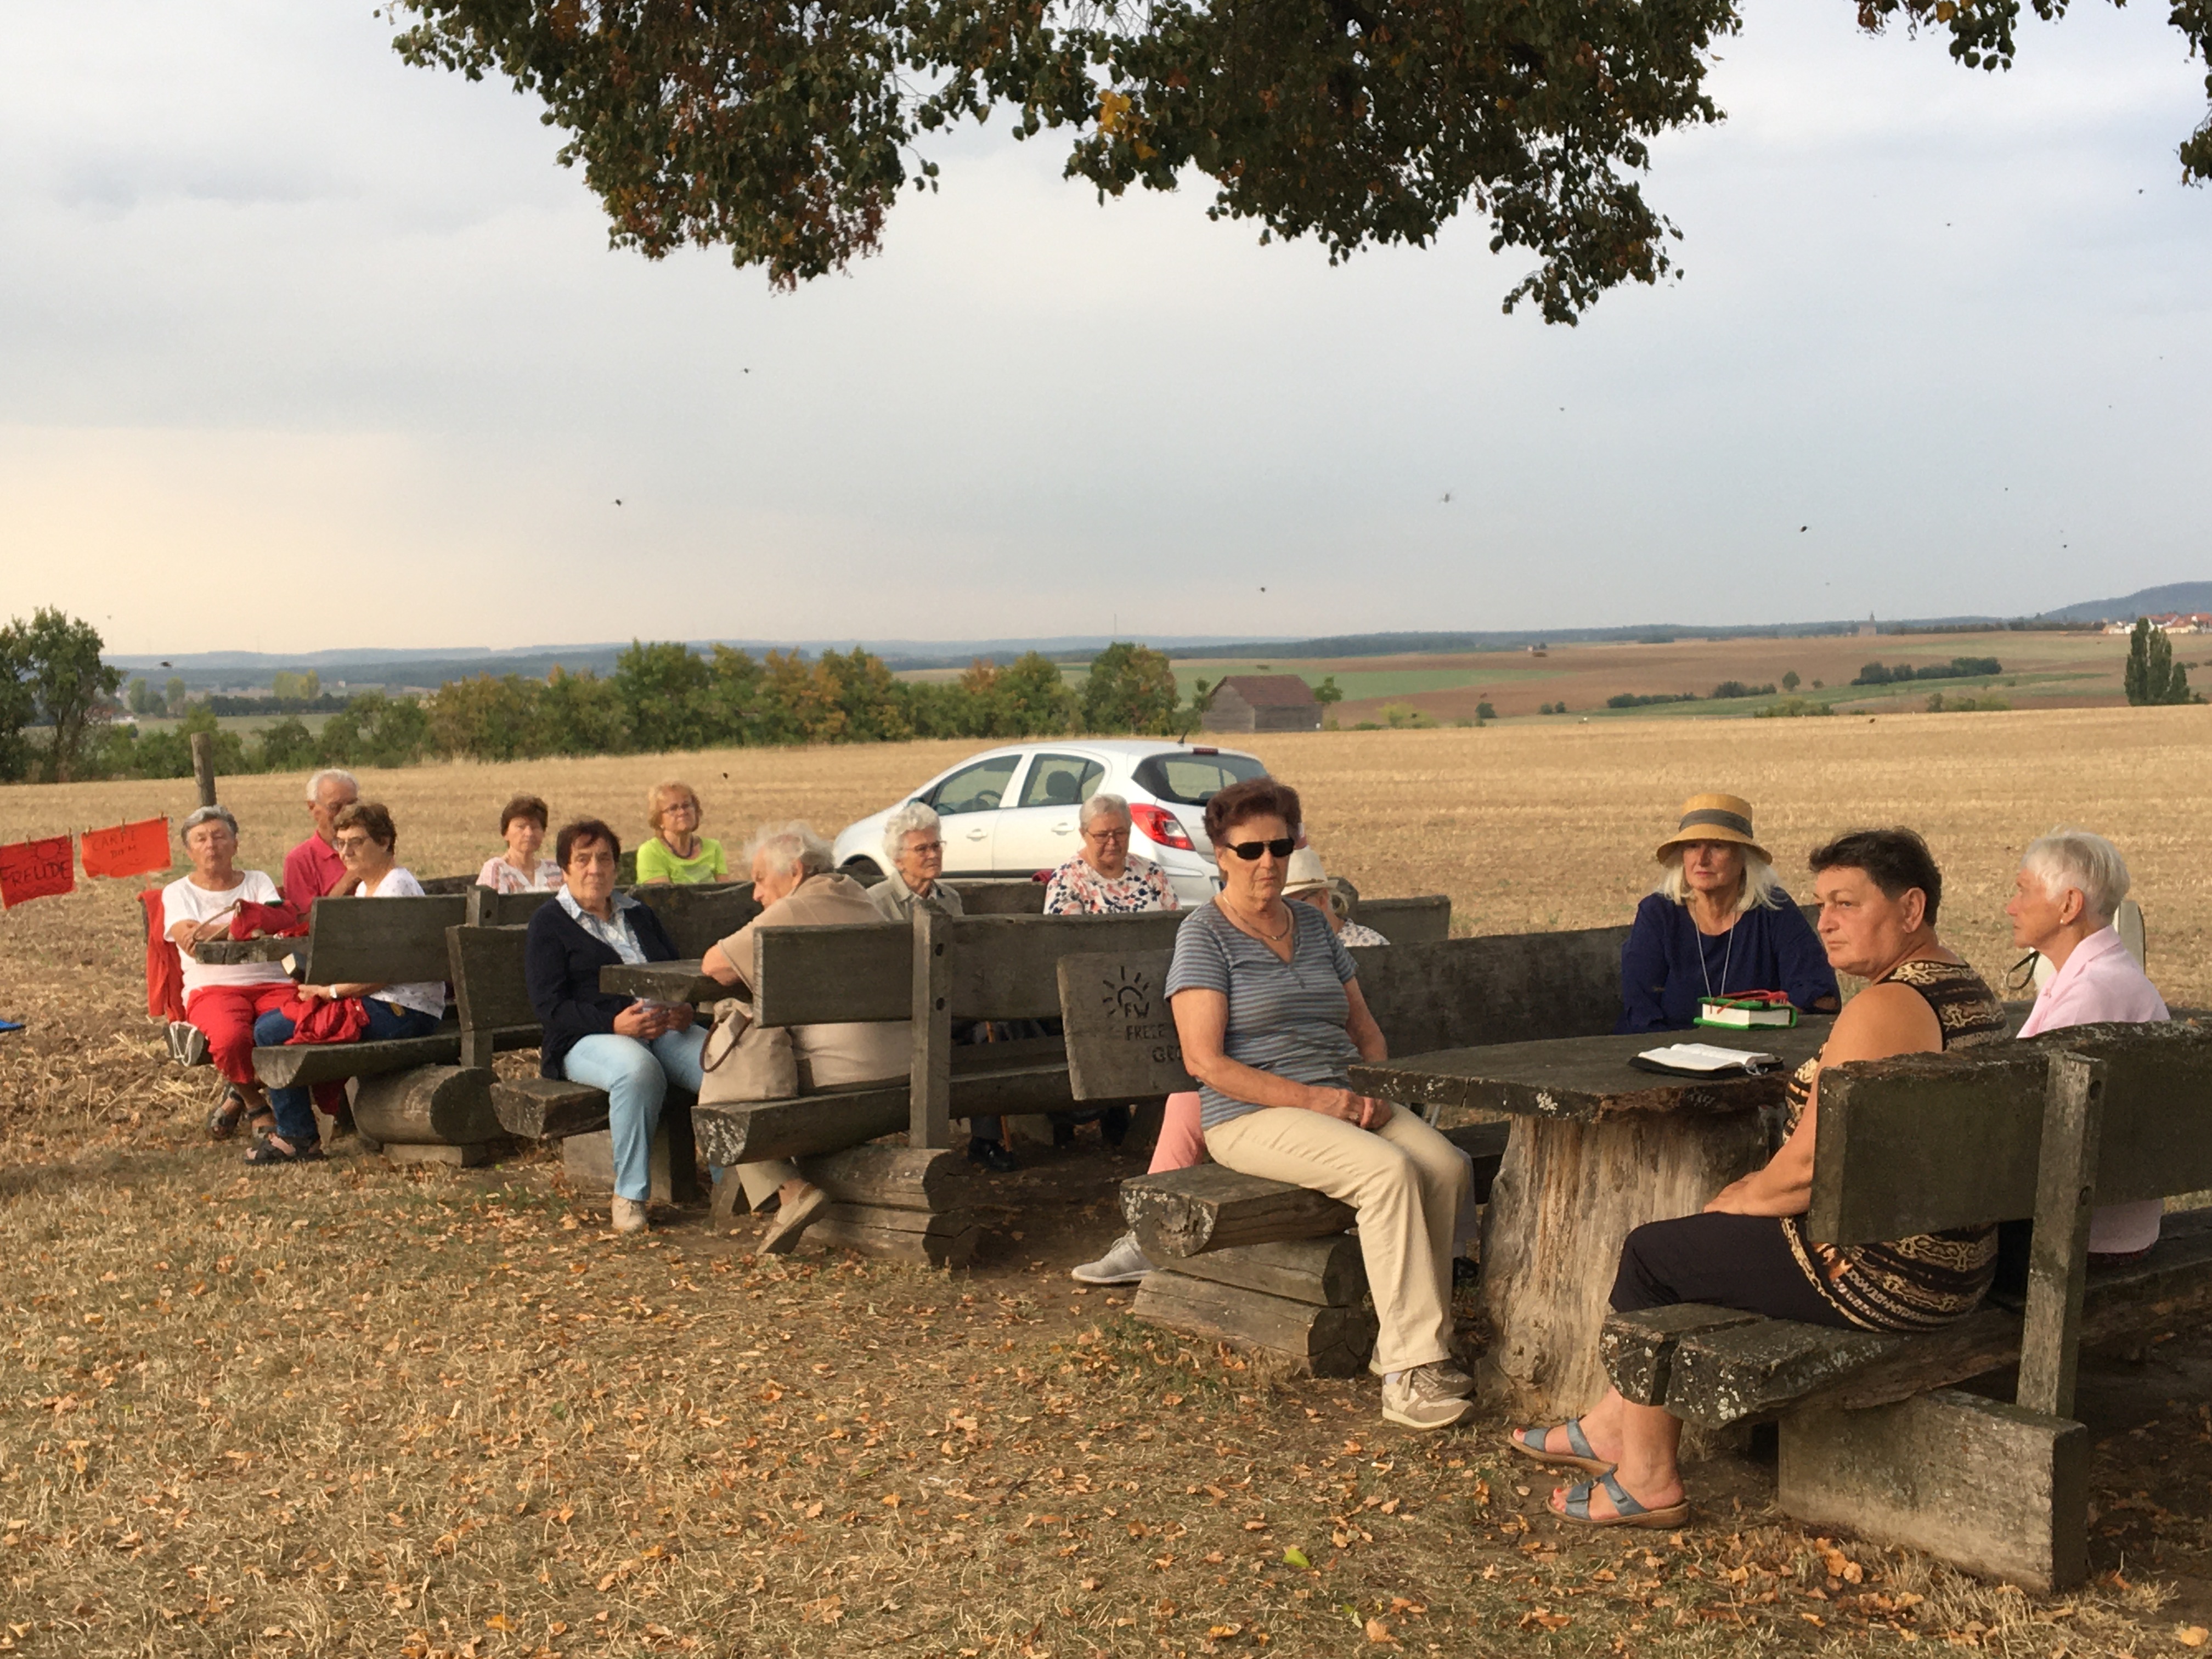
point(1102, 877)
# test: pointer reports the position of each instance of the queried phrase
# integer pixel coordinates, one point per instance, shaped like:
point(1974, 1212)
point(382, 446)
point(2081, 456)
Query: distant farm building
point(1263, 703)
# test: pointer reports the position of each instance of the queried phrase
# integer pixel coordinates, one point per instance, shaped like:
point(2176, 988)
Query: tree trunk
point(1566, 1195)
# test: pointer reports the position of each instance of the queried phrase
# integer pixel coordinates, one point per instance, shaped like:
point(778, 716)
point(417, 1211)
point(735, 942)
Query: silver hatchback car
point(1011, 811)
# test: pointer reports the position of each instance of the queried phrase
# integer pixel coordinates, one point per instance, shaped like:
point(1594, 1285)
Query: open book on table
point(1704, 1060)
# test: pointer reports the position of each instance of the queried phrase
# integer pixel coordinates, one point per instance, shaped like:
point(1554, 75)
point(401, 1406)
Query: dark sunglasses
point(1249, 850)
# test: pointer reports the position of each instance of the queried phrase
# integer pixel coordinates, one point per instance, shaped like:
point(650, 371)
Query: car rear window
point(1195, 779)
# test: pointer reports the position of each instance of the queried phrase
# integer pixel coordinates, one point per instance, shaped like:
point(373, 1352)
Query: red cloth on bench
point(165, 969)
point(341, 1020)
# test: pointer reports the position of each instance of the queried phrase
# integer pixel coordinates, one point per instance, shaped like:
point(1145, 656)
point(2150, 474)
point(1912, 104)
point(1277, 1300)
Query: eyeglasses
point(1250, 850)
point(1121, 834)
point(926, 846)
point(351, 843)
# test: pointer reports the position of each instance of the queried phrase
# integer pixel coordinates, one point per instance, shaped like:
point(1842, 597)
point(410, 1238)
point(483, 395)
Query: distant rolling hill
point(2184, 597)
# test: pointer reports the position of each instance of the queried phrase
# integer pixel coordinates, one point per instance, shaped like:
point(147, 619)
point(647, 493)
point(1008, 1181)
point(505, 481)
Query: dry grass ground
point(354, 1410)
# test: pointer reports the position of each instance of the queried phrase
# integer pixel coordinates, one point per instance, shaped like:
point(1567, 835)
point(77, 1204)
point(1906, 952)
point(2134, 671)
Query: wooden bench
point(1122, 1045)
point(1873, 1438)
point(931, 971)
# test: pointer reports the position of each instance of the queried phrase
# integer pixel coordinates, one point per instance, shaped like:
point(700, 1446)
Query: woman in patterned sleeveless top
point(1879, 892)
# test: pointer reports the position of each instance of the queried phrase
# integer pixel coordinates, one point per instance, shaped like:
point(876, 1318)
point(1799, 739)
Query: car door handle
point(977, 835)
point(1063, 829)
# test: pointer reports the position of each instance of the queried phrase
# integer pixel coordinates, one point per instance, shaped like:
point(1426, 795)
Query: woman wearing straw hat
point(1717, 924)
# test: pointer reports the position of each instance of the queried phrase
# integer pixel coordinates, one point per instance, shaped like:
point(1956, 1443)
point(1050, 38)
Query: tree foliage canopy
point(784, 130)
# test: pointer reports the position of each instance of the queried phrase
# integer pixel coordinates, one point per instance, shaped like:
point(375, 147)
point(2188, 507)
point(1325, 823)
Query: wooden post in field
point(204, 766)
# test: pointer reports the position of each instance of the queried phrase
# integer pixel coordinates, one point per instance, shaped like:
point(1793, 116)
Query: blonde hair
point(662, 796)
point(1760, 889)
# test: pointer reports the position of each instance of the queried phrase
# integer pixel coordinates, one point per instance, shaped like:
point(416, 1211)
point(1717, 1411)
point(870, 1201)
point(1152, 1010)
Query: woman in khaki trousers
point(1267, 1002)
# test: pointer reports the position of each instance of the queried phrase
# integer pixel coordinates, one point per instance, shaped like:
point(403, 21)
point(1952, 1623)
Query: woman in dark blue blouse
point(1718, 925)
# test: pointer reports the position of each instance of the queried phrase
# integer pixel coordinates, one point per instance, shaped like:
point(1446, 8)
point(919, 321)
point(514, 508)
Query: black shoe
point(993, 1156)
point(1114, 1125)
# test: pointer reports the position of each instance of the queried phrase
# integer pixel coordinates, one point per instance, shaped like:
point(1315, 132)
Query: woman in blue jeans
point(632, 1049)
point(365, 839)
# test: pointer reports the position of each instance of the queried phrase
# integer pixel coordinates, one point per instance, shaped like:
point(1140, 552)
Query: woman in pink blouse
point(2069, 886)
point(519, 869)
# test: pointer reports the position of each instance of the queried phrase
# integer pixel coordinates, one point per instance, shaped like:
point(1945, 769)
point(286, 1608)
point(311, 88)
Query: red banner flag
point(128, 849)
point(32, 869)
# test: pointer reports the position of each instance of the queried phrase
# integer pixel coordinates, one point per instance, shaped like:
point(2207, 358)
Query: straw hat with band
point(1307, 875)
point(1715, 817)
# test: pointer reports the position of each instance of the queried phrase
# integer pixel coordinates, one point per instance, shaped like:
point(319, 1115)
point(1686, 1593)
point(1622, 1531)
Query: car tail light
point(1161, 827)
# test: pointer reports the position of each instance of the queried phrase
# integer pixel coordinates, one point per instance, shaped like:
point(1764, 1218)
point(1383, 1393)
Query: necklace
point(1728, 956)
point(1254, 926)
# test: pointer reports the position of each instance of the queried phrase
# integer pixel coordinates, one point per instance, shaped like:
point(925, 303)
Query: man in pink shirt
point(2069, 886)
point(313, 870)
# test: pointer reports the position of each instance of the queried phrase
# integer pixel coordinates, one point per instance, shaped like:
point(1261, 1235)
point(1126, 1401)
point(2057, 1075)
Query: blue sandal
point(1627, 1511)
point(1579, 1454)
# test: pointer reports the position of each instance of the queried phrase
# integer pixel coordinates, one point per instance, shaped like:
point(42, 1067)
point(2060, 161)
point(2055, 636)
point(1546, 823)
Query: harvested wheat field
point(351, 1409)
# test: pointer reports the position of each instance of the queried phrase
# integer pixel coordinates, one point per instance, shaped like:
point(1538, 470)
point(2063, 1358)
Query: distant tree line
point(1959, 668)
point(660, 696)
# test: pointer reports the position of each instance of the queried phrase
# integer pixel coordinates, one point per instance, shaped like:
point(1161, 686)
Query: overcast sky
point(302, 348)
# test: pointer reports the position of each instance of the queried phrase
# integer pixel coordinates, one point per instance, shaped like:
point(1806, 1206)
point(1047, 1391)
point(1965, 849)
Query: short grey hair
point(207, 814)
point(915, 818)
point(1761, 891)
point(328, 774)
point(2089, 863)
point(789, 846)
point(1100, 805)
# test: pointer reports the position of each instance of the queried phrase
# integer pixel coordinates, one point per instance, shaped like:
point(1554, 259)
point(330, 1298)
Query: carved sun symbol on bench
point(1129, 994)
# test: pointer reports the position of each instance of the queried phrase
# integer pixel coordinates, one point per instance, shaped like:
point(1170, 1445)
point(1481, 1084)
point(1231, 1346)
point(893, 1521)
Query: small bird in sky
point(1263, 590)
point(1448, 495)
point(1803, 528)
point(618, 501)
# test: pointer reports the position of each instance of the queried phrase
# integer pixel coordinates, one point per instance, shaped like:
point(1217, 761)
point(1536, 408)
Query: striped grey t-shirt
point(1284, 1017)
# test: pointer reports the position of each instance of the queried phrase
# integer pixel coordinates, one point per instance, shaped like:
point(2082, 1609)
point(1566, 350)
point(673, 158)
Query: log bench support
point(1303, 1300)
point(909, 1203)
point(1266, 1265)
point(1995, 1488)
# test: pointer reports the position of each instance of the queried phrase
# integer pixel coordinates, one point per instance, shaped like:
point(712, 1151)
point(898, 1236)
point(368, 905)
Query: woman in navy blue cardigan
point(1719, 924)
point(632, 1049)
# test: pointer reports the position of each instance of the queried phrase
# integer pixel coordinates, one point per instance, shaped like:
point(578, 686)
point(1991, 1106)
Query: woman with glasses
point(676, 852)
point(913, 840)
point(1267, 1005)
point(1103, 878)
point(366, 841)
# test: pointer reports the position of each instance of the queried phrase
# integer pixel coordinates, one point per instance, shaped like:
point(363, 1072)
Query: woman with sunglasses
point(1267, 1005)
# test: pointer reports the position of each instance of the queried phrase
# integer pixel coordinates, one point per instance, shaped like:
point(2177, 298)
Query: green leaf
point(1294, 1556)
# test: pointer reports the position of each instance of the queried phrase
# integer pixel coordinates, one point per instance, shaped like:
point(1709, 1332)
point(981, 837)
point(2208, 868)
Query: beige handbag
point(744, 1062)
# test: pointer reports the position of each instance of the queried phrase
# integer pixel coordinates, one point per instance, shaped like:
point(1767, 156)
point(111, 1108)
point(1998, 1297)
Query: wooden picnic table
point(1597, 1147)
point(664, 981)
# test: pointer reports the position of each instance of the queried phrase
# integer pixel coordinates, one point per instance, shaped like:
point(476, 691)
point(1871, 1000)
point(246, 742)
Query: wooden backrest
point(393, 941)
point(1924, 1142)
point(700, 915)
point(1002, 898)
point(1424, 920)
point(1455, 994)
point(1002, 967)
point(489, 908)
point(485, 966)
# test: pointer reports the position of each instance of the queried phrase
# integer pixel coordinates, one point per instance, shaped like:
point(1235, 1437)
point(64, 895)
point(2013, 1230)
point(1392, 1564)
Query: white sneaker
point(1124, 1263)
point(629, 1215)
point(1422, 1398)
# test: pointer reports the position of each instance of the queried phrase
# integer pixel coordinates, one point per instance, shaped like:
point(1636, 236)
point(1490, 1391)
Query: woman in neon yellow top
point(677, 852)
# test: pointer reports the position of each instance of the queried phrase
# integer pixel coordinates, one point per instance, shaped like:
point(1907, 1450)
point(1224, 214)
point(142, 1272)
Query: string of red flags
point(40, 869)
